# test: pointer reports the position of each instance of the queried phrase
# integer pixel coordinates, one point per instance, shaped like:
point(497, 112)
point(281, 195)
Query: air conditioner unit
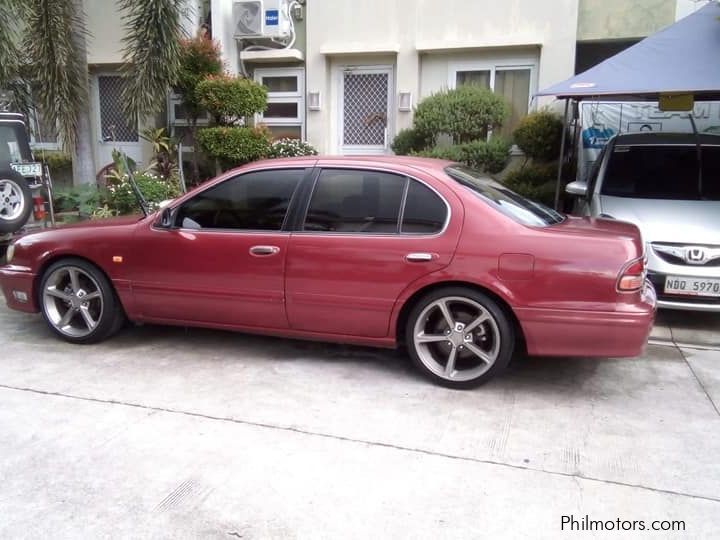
point(261, 19)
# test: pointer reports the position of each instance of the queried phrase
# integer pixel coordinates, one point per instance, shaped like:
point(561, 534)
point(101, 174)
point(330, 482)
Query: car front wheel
point(79, 303)
point(459, 337)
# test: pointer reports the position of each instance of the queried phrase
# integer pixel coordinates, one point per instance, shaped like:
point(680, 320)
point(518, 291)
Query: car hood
point(688, 222)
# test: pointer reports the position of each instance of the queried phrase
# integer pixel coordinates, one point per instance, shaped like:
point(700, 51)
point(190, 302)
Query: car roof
point(421, 163)
point(666, 138)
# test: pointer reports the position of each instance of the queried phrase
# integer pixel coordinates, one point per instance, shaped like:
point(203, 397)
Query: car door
point(366, 236)
point(222, 260)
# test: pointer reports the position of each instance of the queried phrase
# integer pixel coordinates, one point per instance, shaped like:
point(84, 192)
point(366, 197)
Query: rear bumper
point(556, 332)
point(17, 283)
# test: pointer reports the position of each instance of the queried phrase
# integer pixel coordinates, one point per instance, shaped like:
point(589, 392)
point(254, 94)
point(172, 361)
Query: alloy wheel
point(73, 301)
point(456, 338)
point(12, 200)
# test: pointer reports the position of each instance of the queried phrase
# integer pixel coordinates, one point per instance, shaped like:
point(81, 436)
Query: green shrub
point(465, 113)
point(121, 197)
point(410, 140)
point(57, 161)
point(536, 182)
point(199, 57)
point(539, 135)
point(491, 156)
point(291, 148)
point(234, 146)
point(450, 153)
point(230, 99)
point(82, 199)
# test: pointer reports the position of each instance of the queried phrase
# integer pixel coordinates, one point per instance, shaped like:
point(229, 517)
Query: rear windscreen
point(662, 172)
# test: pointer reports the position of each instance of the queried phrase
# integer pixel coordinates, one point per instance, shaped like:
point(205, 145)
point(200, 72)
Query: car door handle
point(419, 257)
point(264, 251)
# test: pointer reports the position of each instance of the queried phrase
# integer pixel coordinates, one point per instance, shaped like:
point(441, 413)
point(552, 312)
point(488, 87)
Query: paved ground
point(167, 433)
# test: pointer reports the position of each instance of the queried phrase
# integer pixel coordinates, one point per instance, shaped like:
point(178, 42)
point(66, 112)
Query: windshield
point(663, 172)
point(507, 202)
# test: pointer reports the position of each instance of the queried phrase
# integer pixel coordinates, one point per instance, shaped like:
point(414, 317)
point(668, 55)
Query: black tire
point(494, 337)
point(110, 314)
point(15, 201)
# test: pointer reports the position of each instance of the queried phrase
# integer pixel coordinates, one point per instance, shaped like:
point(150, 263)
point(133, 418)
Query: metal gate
point(365, 110)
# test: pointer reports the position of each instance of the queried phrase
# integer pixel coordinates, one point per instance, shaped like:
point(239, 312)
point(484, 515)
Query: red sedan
point(379, 251)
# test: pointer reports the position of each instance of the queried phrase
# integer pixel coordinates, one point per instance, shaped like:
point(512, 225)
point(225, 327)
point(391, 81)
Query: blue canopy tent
point(683, 58)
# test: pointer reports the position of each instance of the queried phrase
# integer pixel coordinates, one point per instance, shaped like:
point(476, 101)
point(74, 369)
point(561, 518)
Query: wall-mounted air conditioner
point(261, 19)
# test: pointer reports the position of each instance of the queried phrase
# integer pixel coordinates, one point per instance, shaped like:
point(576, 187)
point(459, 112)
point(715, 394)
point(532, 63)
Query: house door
point(114, 129)
point(365, 108)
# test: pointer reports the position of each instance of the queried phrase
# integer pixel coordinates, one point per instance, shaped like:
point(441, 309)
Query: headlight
point(10, 253)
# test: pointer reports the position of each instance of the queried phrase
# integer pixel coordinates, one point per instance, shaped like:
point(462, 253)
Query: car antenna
point(131, 177)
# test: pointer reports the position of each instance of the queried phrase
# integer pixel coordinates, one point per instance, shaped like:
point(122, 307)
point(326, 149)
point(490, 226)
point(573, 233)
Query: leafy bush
point(82, 199)
point(536, 182)
point(450, 153)
point(56, 161)
point(291, 148)
point(465, 113)
point(199, 57)
point(410, 140)
point(230, 99)
point(234, 146)
point(539, 135)
point(491, 156)
point(122, 200)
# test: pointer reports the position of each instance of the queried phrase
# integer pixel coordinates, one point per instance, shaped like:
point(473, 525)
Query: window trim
point(297, 97)
point(398, 233)
point(285, 228)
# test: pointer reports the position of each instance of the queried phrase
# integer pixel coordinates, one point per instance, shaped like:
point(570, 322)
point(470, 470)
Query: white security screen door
point(365, 108)
point(112, 122)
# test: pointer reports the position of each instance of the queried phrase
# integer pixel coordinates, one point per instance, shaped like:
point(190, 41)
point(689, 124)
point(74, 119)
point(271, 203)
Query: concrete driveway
point(168, 433)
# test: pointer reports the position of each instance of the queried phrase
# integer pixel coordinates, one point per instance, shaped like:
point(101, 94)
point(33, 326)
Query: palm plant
point(53, 59)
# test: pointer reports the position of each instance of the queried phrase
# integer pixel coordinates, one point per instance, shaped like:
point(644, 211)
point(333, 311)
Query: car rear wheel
point(79, 303)
point(459, 338)
point(15, 201)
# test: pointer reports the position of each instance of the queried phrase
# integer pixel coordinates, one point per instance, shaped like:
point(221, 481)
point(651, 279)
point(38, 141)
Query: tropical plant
point(231, 99)
point(50, 55)
point(82, 199)
point(489, 156)
point(164, 161)
point(291, 148)
point(466, 113)
point(536, 182)
point(199, 57)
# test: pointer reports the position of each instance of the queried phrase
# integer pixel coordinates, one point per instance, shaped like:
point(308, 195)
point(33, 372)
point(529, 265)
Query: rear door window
point(425, 212)
point(653, 172)
point(356, 201)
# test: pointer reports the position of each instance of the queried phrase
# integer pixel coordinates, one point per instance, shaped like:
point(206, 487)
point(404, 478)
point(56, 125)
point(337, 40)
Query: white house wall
point(420, 39)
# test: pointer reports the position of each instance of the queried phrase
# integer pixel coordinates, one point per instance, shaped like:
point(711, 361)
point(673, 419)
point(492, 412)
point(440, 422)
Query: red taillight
point(632, 276)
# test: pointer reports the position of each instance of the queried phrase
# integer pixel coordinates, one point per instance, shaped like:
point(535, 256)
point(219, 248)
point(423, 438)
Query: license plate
point(27, 169)
point(692, 286)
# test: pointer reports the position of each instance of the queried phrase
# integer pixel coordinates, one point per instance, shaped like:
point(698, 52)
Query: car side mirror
point(579, 189)
point(167, 218)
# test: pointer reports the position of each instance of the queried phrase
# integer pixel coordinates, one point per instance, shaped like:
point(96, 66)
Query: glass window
point(425, 212)
point(13, 145)
point(287, 83)
point(355, 201)
point(253, 201)
point(505, 201)
point(653, 172)
point(480, 78)
point(514, 86)
point(285, 132)
point(281, 110)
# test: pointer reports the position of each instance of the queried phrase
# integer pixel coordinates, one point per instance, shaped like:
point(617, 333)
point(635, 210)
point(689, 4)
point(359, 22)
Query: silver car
point(668, 184)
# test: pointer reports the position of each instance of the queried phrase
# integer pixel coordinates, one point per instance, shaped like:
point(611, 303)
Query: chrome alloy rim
point(456, 338)
point(72, 301)
point(12, 200)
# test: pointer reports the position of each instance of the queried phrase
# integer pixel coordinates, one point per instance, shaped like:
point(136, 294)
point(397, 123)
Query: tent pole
point(562, 155)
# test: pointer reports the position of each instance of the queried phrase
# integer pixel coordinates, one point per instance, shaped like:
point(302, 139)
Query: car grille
point(658, 281)
point(676, 253)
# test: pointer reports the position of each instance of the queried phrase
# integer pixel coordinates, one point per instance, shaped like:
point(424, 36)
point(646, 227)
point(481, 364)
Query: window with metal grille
point(365, 105)
point(114, 125)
